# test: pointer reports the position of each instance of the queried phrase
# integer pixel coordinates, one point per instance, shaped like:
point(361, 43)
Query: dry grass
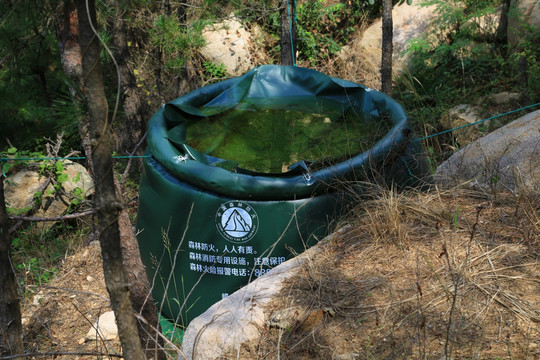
point(451, 274)
point(441, 275)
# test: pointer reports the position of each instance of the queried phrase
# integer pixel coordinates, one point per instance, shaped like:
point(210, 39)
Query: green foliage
point(213, 73)
point(323, 30)
point(458, 62)
point(15, 159)
point(453, 58)
point(31, 75)
point(37, 252)
point(177, 41)
point(529, 51)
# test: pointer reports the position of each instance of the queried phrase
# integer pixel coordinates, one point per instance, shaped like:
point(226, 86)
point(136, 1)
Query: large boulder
point(363, 55)
point(523, 13)
point(460, 117)
point(508, 158)
point(240, 319)
point(228, 43)
point(22, 189)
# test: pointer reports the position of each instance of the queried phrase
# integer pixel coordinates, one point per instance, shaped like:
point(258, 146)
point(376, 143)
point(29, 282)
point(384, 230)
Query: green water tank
point(208, 223)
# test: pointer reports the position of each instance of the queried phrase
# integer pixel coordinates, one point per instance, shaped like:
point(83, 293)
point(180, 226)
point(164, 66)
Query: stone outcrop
point(504, 97)
point(462, 115)
point(228, 43)
point(104, 328)
point(240, 319)
point(522, 13)
point(362, 58)
point(508, 158)
point(21, 187)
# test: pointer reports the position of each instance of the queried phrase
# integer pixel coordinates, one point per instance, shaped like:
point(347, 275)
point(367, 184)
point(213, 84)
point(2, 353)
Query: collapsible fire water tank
point(246, 172)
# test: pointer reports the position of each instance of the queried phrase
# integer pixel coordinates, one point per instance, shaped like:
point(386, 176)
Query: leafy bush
point(527, 59)
point(447, 66)
point(321, 30)
point(177, 41)
point(456, 62)
point(213, 73)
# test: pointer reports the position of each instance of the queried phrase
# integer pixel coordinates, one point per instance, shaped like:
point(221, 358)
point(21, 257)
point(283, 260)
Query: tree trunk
point(135, 108)
point(288, 32)
point(10, 311)
point(387, 47)
point(136, 114)
point(106, 203)
point(71, 59)
point(140, 288)
point(140, 294)
point(501, 36)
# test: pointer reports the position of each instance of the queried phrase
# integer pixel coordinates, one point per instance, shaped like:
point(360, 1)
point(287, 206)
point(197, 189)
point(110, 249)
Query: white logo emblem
point(237, 221)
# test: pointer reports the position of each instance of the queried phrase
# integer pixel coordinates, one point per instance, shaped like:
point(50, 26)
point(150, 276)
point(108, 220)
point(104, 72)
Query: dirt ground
point(414, 276)
point(60, 314)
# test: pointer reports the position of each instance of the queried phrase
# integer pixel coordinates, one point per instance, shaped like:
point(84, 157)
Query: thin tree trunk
point(135, 109)
point(10, 311)
point(71, 59)
point(387, 47)
point(140, 287)
point(140, 294)
point(136, 114)
point(501, 36)
point(107, 204)
point(288, 32)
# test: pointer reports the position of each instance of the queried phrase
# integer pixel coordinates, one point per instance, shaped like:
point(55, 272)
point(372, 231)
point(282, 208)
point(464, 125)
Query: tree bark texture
point(141, 299)
point(106, 202)
point(10, 311)
point(288, 49)
point(135, 108)
point(501, 36)
point(387, 47)
point(140, 294)
point(71, 59)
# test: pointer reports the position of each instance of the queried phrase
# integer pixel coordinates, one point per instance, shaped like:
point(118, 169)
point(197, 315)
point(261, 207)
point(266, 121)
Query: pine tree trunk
point(10, 311)
point(387, 47)
point(71, 59)
point(288, 36)
point(106, 203)
point(140, 293)
point(135, 110)
point(501, 36)
point(140, 296)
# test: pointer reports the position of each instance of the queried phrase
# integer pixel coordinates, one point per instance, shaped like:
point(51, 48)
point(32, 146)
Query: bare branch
point(56, 218)
point(60, 353)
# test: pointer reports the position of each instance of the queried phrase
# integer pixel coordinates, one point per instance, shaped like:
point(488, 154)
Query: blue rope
point(132, 157)
point(2, 166)
point(69, 158)
point(474, 123)
point(291, 29)
point(4, 160)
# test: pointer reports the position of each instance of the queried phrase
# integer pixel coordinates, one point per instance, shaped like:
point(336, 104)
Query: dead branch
point(56, 218)
point(59, 353)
